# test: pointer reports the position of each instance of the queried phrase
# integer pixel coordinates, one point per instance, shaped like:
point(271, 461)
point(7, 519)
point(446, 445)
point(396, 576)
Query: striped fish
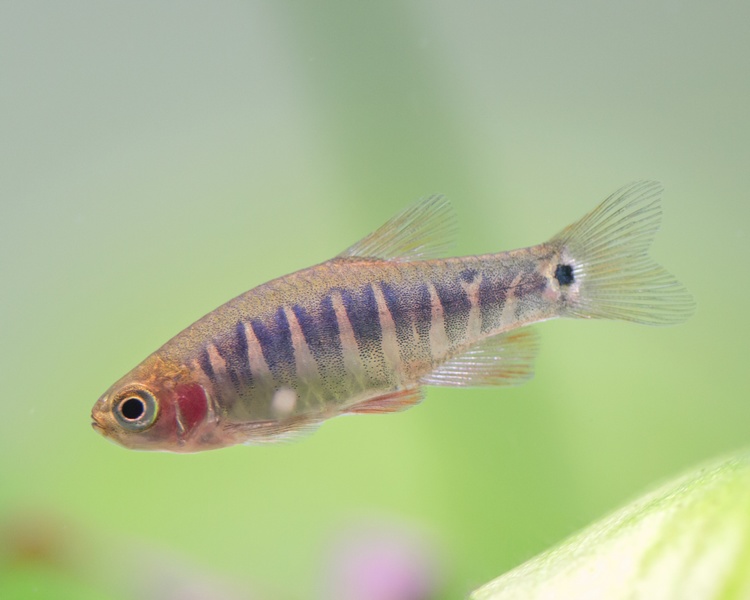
point(363, 332)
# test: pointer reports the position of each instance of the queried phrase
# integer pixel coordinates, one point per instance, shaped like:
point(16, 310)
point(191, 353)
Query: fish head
point(157, 406)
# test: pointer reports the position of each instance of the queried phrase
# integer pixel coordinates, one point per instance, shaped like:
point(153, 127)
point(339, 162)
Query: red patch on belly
point(191, 400)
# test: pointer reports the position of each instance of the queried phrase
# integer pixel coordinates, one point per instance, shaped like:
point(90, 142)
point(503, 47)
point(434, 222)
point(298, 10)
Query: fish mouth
point(97, 412)
point(96, 424)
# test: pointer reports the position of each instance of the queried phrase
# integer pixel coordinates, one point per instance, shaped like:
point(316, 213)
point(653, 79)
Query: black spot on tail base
point(564, 274)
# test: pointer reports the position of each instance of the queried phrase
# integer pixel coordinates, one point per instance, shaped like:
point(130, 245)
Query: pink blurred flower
point(381, 561)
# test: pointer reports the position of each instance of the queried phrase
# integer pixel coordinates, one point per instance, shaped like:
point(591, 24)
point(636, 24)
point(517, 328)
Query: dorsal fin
point(505, 359)
point(424, 229)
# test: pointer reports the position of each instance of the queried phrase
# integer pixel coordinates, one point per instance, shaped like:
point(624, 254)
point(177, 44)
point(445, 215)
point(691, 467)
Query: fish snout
point(97, 414)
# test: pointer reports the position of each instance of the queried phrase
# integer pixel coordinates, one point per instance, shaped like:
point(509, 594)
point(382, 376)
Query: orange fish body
point(361, 333)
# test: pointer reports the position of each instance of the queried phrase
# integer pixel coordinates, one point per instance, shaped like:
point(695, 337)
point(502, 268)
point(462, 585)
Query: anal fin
point(505, 359)
point(390, 402)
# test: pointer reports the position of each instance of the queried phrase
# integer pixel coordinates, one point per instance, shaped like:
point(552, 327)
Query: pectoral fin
point(391, 402)
point(271, 432)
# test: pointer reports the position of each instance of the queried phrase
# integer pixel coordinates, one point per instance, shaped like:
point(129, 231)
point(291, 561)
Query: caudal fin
point(615, 277)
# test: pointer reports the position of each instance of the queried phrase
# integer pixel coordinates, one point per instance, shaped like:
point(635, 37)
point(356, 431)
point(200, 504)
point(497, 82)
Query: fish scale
point(362, 332)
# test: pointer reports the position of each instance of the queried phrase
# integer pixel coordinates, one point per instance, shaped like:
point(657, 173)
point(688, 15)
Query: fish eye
point(136, 409)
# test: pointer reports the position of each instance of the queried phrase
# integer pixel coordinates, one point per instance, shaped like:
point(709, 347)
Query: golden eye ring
point(136, 409)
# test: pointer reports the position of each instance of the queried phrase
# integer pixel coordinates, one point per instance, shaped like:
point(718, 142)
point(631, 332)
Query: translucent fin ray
point(505, 359)
point(272, 432)
point(617, 279)
point(387, 403)
point(424, 229)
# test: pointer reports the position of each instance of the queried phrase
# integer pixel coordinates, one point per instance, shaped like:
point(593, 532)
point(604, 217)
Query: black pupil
point(132, 408)
point(564, 274)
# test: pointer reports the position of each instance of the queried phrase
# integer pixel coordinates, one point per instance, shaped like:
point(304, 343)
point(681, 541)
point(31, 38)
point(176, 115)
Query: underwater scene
point(162, 159)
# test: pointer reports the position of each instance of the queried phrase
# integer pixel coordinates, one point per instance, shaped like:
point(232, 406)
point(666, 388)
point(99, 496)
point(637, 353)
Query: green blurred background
point(158, 159)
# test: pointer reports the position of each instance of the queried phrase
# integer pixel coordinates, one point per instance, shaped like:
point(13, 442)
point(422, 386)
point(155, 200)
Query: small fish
point(363, 332)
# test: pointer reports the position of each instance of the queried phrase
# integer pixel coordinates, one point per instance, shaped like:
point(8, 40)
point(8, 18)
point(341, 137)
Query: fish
point(364, 332)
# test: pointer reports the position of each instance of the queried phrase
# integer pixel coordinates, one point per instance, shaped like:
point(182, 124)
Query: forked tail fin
point(613, 274)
